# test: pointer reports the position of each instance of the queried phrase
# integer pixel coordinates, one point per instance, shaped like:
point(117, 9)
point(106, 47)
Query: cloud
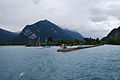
point(93, 18)
point(98, 15)
point(114, 11)
point(36, 1)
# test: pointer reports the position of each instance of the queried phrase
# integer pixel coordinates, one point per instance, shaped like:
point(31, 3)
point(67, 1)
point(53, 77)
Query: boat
point(46, 46)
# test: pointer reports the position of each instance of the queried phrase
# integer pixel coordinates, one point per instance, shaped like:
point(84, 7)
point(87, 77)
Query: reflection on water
point(23, 63)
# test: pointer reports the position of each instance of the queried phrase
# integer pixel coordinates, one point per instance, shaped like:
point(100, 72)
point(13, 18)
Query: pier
point(77, 48)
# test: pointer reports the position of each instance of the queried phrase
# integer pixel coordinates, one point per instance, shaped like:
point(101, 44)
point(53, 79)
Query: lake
point(32, 63)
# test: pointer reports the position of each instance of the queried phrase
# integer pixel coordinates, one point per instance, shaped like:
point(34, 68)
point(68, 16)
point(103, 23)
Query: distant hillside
point(113, 37)
point(6, 36)
point(74, 34)
point(42, 30)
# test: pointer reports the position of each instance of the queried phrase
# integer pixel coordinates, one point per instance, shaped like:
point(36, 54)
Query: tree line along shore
point(51, 42)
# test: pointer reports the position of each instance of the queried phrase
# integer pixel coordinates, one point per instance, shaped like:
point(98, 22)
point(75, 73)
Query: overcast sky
point(95, 18)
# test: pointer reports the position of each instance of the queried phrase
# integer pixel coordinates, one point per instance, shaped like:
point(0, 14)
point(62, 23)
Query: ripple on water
point(99, 63)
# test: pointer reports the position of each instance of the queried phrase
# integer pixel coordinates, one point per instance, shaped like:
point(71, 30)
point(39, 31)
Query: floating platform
point(77, 48)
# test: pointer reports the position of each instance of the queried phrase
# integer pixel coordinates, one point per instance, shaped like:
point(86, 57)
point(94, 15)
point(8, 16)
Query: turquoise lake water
point(31, 63)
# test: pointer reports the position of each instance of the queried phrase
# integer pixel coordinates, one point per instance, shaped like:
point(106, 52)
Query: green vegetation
point(51, 42)
point(91, 41)
point(115, 41)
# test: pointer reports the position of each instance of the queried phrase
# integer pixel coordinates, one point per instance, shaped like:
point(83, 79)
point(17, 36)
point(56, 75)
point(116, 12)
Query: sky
point(92, 18)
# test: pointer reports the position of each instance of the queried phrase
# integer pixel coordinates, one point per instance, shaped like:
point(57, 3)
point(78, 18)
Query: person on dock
point(63, 46)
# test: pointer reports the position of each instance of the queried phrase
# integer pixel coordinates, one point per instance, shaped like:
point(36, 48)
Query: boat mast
point(38, 41)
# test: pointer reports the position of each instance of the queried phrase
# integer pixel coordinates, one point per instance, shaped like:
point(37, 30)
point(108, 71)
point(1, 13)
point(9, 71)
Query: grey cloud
point(73, 14)
point(36, 1)
point(97, 15)
point(101, 14)
point(114, 10)
point(98, 18)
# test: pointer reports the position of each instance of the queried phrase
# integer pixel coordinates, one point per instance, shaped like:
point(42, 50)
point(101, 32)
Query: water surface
point(24, 63)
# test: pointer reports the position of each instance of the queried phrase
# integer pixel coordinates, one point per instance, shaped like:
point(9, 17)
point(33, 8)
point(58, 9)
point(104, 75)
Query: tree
point(97, 41)
point(50, 39)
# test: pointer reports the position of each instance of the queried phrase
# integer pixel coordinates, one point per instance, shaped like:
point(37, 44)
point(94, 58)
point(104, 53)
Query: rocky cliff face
point(113, 37)
point(41, 31)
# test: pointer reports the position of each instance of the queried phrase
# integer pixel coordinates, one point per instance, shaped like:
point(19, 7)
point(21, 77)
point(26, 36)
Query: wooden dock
point(77, 48)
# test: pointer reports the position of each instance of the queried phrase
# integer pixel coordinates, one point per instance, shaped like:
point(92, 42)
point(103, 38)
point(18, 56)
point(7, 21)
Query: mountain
point(113, 37)
point(6, 36)
point(41, 31)
point(74, 35)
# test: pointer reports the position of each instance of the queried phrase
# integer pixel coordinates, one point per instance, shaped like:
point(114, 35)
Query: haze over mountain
point(42, 30)
point(74, 34)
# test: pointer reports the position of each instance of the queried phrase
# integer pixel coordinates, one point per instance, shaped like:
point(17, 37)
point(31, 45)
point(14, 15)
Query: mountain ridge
point(43, 30)
point(113, 37)
point(6, 36)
